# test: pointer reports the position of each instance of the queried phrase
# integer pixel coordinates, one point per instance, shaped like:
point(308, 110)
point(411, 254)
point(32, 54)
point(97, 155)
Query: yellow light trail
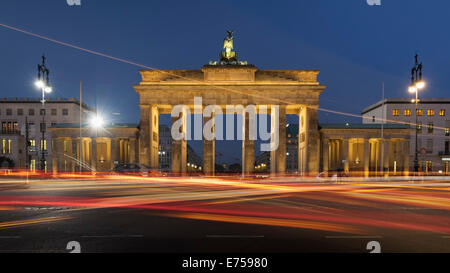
point(301, 224)
point(14, 224)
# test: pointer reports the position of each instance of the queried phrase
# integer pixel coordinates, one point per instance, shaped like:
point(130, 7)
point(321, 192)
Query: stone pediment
point(230, 74)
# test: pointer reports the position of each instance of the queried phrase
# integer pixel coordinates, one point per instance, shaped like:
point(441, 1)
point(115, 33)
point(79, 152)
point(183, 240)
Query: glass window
point(65, 112)
point(9, 112)
point(15, 127)
point(430, 112)
point(54, 112)
point(442, 112)
point(447, 131)
point(407, 112)
point(419, 127)
point(31, 112)
point(419, 112)
point(9, 146)
point(3, 146)
point(429, 146)
point(395, 112)
point(20, 112)
point(4, 128)
point(10, 128)
point(43, 145)
point(33, 165)
point(42, 112)
point(430, 127)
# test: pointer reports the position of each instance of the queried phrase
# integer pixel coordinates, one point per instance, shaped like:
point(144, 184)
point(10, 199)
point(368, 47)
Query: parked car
point(131, 169)
point(334, 173)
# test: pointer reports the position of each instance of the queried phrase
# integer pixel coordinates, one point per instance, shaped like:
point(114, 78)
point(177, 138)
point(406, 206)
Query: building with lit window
point(433, 128)
point(194, 161)
point(15, 113)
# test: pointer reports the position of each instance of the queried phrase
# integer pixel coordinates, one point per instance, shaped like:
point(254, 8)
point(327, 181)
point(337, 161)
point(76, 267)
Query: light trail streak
point(269, 222)
point(15, 224)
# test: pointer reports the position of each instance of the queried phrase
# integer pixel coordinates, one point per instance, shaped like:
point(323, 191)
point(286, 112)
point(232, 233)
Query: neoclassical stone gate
point(295, 91)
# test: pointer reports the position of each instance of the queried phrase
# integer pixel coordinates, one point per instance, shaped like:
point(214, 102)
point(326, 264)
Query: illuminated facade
point(433, 128)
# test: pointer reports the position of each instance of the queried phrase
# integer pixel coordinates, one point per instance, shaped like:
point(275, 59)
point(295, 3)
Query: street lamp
point(416, 85)
point(43, 83)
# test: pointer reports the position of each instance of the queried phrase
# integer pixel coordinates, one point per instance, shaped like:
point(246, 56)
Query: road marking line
point(235, 236)
point(10, 237)
point(353, 237)
point(112, 236)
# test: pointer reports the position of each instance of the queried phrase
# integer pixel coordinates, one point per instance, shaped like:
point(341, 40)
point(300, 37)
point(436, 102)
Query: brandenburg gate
point(231, 82)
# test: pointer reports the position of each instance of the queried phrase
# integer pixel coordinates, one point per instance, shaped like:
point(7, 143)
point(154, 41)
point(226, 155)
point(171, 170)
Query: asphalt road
point(222, 215)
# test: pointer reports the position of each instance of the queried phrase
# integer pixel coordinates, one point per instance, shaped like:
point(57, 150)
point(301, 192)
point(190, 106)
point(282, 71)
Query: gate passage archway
point(295, 91)
point(231, 82)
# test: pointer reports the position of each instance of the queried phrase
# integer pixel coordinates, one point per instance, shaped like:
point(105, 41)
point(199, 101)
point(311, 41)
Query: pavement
point(122, 214)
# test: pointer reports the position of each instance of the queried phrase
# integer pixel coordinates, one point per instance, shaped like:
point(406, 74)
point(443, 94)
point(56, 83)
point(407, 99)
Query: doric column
point(132, 144)
point(387, 153)
point(345, 155)
point(366, 157)
point(144, 136)
point(278, 156)
point(325, 154)
point(179, 147)
point(248, 145)
point(115, 151)
point(69, 155)
point(406, 150)
point(75, 152)
point(154, 137)
point(209, 148)
point(309, 140)
point(94, 158)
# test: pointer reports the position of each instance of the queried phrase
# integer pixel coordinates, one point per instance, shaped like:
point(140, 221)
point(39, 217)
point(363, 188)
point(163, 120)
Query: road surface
point(223, 215)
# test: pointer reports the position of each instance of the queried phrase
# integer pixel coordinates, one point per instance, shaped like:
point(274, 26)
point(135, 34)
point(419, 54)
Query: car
point(131, 169)
point(334, 173)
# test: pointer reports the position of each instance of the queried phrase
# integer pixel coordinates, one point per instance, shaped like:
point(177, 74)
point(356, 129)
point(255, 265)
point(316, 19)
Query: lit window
point(407, 112)
point(33, 165)
point(442, 112)
point(395, 112)
point(43, 145)
point(9, 146)
point(33, 143)
point(430, 112)
point(447, 131)
point(419, 112)
point(3, 146)
point(419, 127)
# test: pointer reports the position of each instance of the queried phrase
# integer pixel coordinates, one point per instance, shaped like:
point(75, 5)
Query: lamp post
point(416, 84)
point(43, 83)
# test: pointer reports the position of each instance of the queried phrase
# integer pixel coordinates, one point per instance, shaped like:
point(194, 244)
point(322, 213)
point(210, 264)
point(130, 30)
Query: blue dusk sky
point(356, 46)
